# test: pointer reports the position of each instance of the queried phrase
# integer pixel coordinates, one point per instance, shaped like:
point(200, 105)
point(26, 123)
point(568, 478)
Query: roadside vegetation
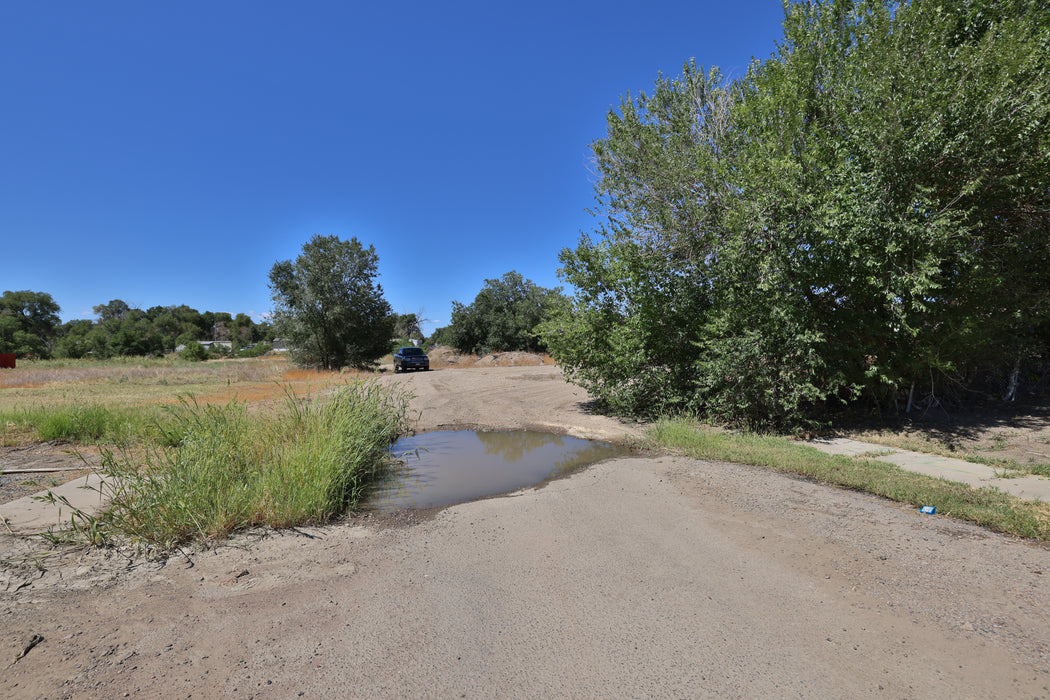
point(985, 506)
point(842, 227)
point(218, 469)
point(78, 423)
point(193, 452)
point(842, 235)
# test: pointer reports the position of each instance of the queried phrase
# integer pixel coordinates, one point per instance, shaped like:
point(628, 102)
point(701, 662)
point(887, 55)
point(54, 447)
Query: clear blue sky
point(171, 152)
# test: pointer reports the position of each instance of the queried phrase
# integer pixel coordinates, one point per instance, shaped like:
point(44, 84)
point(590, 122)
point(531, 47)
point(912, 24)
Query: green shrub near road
point(82, 423)
point(230, 469)
point(840, 225)
point(193, 352)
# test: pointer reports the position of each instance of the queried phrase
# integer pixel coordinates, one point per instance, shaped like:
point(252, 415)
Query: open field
point(136, 382)
point(143, 382)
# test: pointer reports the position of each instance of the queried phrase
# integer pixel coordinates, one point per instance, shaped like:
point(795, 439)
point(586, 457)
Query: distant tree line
point(329, 306)
point(30, 327)
point(861, 220)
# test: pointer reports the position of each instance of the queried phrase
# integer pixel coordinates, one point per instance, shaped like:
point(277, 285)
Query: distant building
point(209, 344)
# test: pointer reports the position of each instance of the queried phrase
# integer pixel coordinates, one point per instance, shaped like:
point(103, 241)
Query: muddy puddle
point(446, 467)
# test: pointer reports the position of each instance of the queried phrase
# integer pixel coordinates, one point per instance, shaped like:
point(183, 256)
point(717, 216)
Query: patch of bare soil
point(512, 398)
point(641, 576)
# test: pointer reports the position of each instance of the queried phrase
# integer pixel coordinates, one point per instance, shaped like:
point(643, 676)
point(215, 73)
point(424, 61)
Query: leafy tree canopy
point(407, 328)
point(503, 316)
point(120, 329)
point(863, 213)
point(28, 323)
point(327, 303)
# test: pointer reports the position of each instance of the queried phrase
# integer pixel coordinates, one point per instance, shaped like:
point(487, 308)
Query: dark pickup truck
point(410, 358)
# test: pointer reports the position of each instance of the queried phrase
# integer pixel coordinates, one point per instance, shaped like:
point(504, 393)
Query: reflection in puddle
point(449, 467)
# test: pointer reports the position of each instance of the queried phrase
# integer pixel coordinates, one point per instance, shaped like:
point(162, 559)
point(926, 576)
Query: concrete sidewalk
point(28, 516)
point(1031, 488)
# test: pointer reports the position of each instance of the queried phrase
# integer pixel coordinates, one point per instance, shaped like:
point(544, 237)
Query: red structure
point(7, 360)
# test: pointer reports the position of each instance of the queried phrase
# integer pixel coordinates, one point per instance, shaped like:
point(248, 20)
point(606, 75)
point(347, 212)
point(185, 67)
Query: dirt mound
point(512, 359)
point(444, 356)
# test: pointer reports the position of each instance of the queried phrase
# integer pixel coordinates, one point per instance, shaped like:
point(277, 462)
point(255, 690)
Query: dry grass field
point(133, 382)
point(144, 381)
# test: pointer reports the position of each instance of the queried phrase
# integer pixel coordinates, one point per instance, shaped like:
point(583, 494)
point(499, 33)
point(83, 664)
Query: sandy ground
point(643, 576)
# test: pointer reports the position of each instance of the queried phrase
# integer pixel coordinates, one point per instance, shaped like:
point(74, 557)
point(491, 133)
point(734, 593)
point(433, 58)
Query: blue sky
point(170, 153)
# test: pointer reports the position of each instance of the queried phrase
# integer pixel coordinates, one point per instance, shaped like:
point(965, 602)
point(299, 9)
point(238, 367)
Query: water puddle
point(447, 467)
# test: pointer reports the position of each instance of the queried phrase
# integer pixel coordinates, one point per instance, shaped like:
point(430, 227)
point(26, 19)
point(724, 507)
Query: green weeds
point(985, 506)
point(83, 423)
point(217, 469)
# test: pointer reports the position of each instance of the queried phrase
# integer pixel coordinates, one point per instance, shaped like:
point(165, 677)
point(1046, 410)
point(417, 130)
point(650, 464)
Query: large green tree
point(329, 306)
point(864, 212)
point(28, 323)
point(503, 316)
point(123, 330)
point(407, 327)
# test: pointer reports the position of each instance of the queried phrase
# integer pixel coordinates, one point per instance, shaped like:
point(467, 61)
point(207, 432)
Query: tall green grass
point(84, 423)
point(985, 506)
point(228, 470)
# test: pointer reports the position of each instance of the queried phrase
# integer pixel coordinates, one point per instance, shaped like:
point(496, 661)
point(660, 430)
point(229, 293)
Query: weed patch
point(219, 468)
point(83, 423)
point(985, 506)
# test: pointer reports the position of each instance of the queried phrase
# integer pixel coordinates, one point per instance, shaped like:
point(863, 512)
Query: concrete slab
point(942, 467)
point(1033, 488)
point(28, 516)
point(849, 448)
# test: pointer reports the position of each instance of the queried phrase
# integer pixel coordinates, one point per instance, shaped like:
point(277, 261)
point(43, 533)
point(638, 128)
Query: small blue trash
point(929, 510)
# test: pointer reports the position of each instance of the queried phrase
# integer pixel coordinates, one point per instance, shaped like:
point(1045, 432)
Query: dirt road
point(645, 576)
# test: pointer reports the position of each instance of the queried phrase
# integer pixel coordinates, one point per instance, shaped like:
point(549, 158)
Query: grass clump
point(985, 506)
point(82, 423)
point(227, 469)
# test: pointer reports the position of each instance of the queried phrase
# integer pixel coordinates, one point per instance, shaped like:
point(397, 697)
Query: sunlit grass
point(81, 423)
point(107, 401)
point(985, 506)
point(219, 468)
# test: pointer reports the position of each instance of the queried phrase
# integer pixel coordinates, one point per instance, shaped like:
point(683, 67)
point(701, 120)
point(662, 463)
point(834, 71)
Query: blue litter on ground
point(929, 510)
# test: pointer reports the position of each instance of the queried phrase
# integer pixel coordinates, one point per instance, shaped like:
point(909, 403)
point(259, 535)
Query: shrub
point(194, 352)
point(229, 469)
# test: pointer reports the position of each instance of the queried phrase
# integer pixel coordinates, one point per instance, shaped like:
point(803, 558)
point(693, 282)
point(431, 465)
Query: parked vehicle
point(411, 358)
